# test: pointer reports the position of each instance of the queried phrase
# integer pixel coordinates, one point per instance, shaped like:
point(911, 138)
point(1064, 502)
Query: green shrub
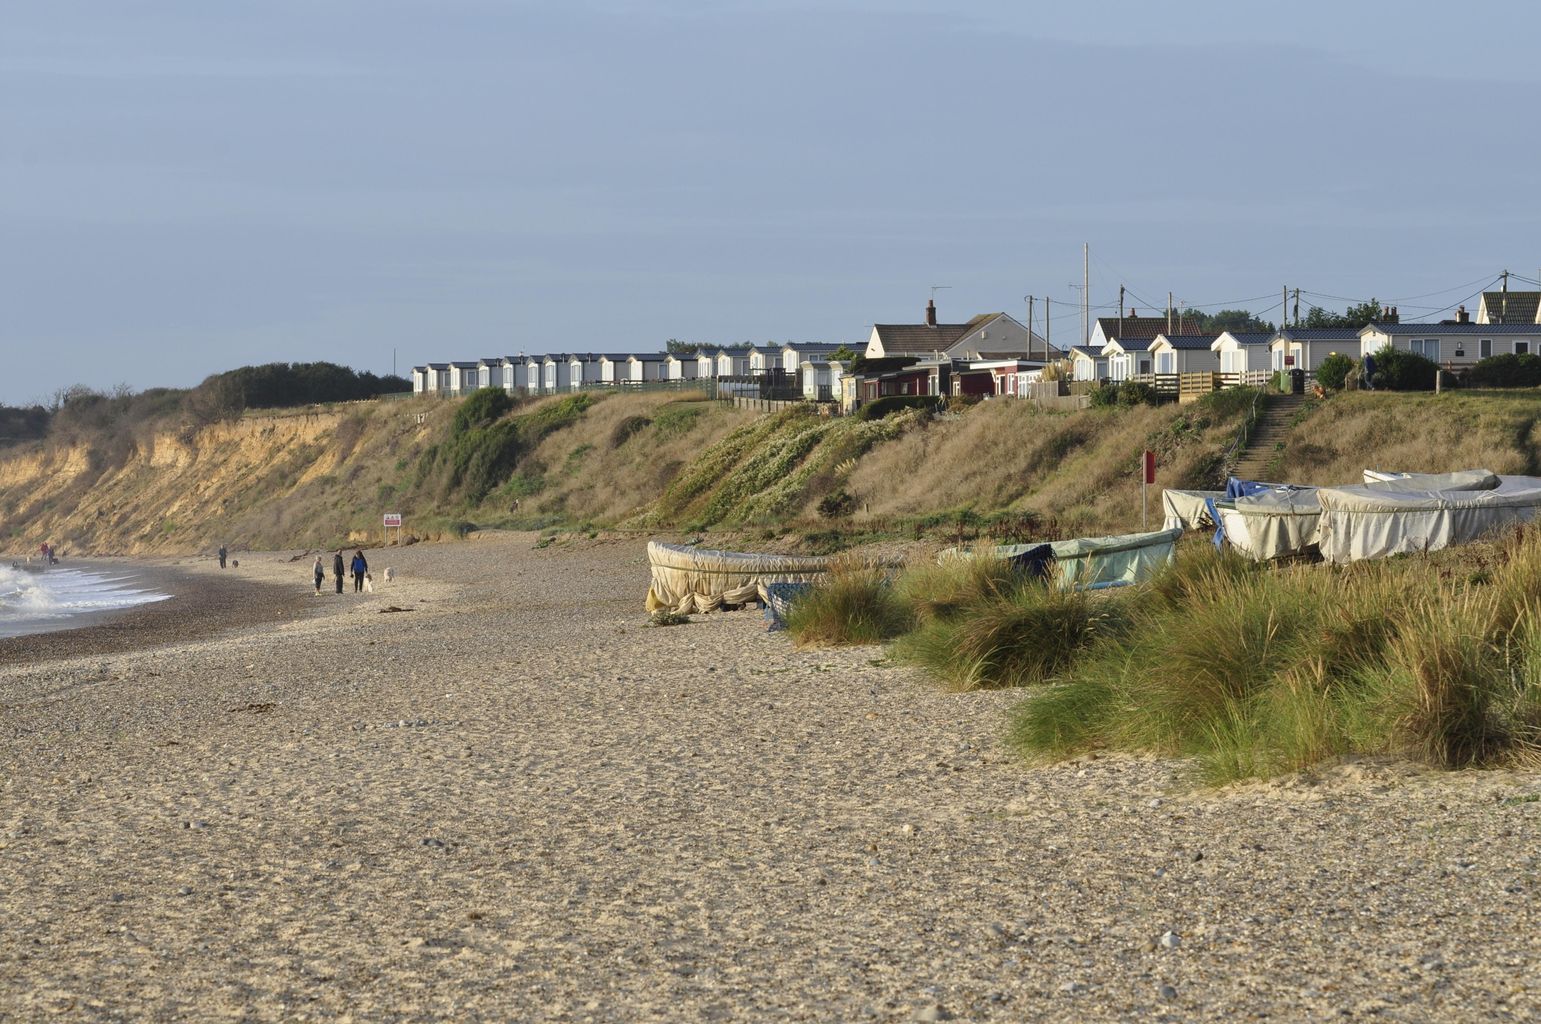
point(836, 505)
point(1506, 371)
point(887, 406)
point(1131, 393)
point(1333, 370)
point(678, 418)
point(1398, 369)
point(852, 604)
point(628, 428)
point(481, 408)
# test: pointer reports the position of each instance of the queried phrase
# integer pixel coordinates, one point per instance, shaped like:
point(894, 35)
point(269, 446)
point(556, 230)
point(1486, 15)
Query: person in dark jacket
point(222, 554)
point(360, 567)
point(320, 572)
point(337, 570)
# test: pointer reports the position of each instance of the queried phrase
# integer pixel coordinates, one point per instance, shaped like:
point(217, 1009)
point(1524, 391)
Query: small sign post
point(393, 519)
point(1147, 477)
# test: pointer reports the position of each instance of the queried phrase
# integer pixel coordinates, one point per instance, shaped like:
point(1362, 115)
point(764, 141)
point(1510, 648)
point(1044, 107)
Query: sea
point(35, 599)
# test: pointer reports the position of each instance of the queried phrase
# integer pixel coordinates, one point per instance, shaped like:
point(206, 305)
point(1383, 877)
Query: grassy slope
point(1334, 441)
point(662, 462)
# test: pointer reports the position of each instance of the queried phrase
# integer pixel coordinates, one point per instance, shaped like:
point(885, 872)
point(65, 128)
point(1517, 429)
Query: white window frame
point(1485, 348)
point(1522, 351)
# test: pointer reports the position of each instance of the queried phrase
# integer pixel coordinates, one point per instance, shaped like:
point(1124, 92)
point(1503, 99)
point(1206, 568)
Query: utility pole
point(1120, 312)
point(1284, 307)
point(1046, 329)
point(1503, 303)
point(1297, 308)
point(1169, 312)
point(1029, 325)
point(1086, 293)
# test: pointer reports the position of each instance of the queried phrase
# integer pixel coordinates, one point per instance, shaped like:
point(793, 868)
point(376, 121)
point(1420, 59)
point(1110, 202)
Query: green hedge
point(1506, 371)
point(1397, 369)
point(1333, 370)
point(881, 407)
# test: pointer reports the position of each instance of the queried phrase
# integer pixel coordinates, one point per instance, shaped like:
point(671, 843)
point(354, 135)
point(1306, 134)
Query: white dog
point(390, 574)
point(369, 584)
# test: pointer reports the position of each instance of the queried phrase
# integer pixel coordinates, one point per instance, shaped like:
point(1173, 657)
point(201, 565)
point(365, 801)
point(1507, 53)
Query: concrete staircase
point(1273, 422)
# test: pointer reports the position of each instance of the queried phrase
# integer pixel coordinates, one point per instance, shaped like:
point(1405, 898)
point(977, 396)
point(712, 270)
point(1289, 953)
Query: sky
point(187, 186)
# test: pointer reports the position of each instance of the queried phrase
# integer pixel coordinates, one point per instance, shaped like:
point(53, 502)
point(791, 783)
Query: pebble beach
point(512, 798)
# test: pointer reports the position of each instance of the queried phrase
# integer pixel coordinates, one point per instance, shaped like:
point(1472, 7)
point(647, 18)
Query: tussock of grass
point(852, 604)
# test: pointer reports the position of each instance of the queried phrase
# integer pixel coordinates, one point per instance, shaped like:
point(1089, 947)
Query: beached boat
point(689, 580)
point(1097, 563)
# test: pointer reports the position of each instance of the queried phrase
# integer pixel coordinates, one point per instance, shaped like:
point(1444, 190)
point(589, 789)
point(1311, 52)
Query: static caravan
point(706, 364)
point(733, 362)
point(584, 370)
point(492, 373)
point(680, 367)
point(1125, 363)
point(794, 356)
point(514, 378)
point(1088, 363)
point(1183, 353)
point(534, 371)
point(821, 380)
point(1304, 348)
point(763, 359)
point(641, 369)
point(612, 368)
point(420, 380)
point(464, 377)
point(1242, 352)
point(554, 374)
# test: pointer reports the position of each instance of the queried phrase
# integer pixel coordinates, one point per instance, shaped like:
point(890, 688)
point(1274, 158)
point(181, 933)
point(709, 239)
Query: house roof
point(465, 365)
point(1186, 342)
point(1250, 337)
point(648, 357)
point(920, 338)
point(1136, 328)
point(1520, 307)
point(1088, 351)
point(1318, 333)
point(1402, 330)
point(437, 366)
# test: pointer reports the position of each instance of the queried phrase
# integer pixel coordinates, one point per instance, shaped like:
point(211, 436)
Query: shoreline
point(202, 607)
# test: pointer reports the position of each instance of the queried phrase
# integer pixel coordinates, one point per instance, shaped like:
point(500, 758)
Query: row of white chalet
point(556, 372)
point(1132, 346)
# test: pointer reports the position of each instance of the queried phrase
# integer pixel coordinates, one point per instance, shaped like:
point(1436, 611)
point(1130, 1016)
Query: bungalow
point(1454, 345)
point(1007, 376)
point(1304, 348)
point(554, 374)
point(583, 369)
point(1087, 363)
point(677, 367)
point(534, 372)
point(794, 356)
point(1123, 362)
point(464, 377)
point(1183, 353)
point(1509, 308)
point(985, 334)
point(1242, 351)
point(645, 367)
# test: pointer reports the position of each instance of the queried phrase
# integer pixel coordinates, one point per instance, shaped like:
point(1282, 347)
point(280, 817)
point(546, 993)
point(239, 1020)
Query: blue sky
point(189, 186)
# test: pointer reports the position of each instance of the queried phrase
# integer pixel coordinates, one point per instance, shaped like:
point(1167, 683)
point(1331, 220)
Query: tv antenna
point(936, 288)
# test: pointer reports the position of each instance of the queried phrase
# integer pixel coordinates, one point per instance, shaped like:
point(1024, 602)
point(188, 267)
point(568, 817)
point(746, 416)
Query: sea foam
point(33, 601)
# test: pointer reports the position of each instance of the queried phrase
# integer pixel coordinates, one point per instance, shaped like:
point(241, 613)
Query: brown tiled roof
point(920, 338)
point(1143, 328)
point(1520, 307)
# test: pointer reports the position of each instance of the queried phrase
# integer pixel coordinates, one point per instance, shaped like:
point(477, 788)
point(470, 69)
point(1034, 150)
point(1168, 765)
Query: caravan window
point(1521, 348)
point(1484, 348)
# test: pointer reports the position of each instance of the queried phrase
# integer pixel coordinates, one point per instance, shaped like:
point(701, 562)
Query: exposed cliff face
point(270, 479)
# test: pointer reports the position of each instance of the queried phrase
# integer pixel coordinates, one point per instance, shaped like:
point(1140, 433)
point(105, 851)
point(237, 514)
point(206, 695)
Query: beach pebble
point(1170, 940)
point(1167, 992)
point(1073, 988)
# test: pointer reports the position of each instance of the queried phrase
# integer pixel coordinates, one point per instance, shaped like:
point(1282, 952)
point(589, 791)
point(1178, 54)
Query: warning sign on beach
point(393, 519)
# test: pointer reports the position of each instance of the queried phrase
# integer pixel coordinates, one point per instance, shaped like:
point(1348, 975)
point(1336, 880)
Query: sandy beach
point(516, 800)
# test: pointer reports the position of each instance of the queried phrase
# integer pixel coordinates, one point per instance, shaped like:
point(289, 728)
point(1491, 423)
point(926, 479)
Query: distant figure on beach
point(337, 569)
point(360, 570)
point(222, 554)
point(320, 571)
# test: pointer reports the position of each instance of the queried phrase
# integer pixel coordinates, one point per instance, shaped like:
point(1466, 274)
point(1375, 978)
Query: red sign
point(1149, 465)
point(1289, 360)
point(393, 519)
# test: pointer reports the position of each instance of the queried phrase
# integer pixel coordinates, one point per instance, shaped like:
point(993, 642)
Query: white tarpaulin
point(1372, 522)
point(1092, 563)
point(1187, 510)
point(1273, 523)
point(1462, 480)
point(689, 580)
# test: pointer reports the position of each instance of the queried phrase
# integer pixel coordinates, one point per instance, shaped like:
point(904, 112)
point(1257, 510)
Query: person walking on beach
point(360, 567)
point(337, 569)
point(222, 554)
point(320, 571)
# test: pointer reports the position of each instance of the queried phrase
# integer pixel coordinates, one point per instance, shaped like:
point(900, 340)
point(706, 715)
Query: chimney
point(1461, 316)
point(931, 313)
point(1133, 312)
